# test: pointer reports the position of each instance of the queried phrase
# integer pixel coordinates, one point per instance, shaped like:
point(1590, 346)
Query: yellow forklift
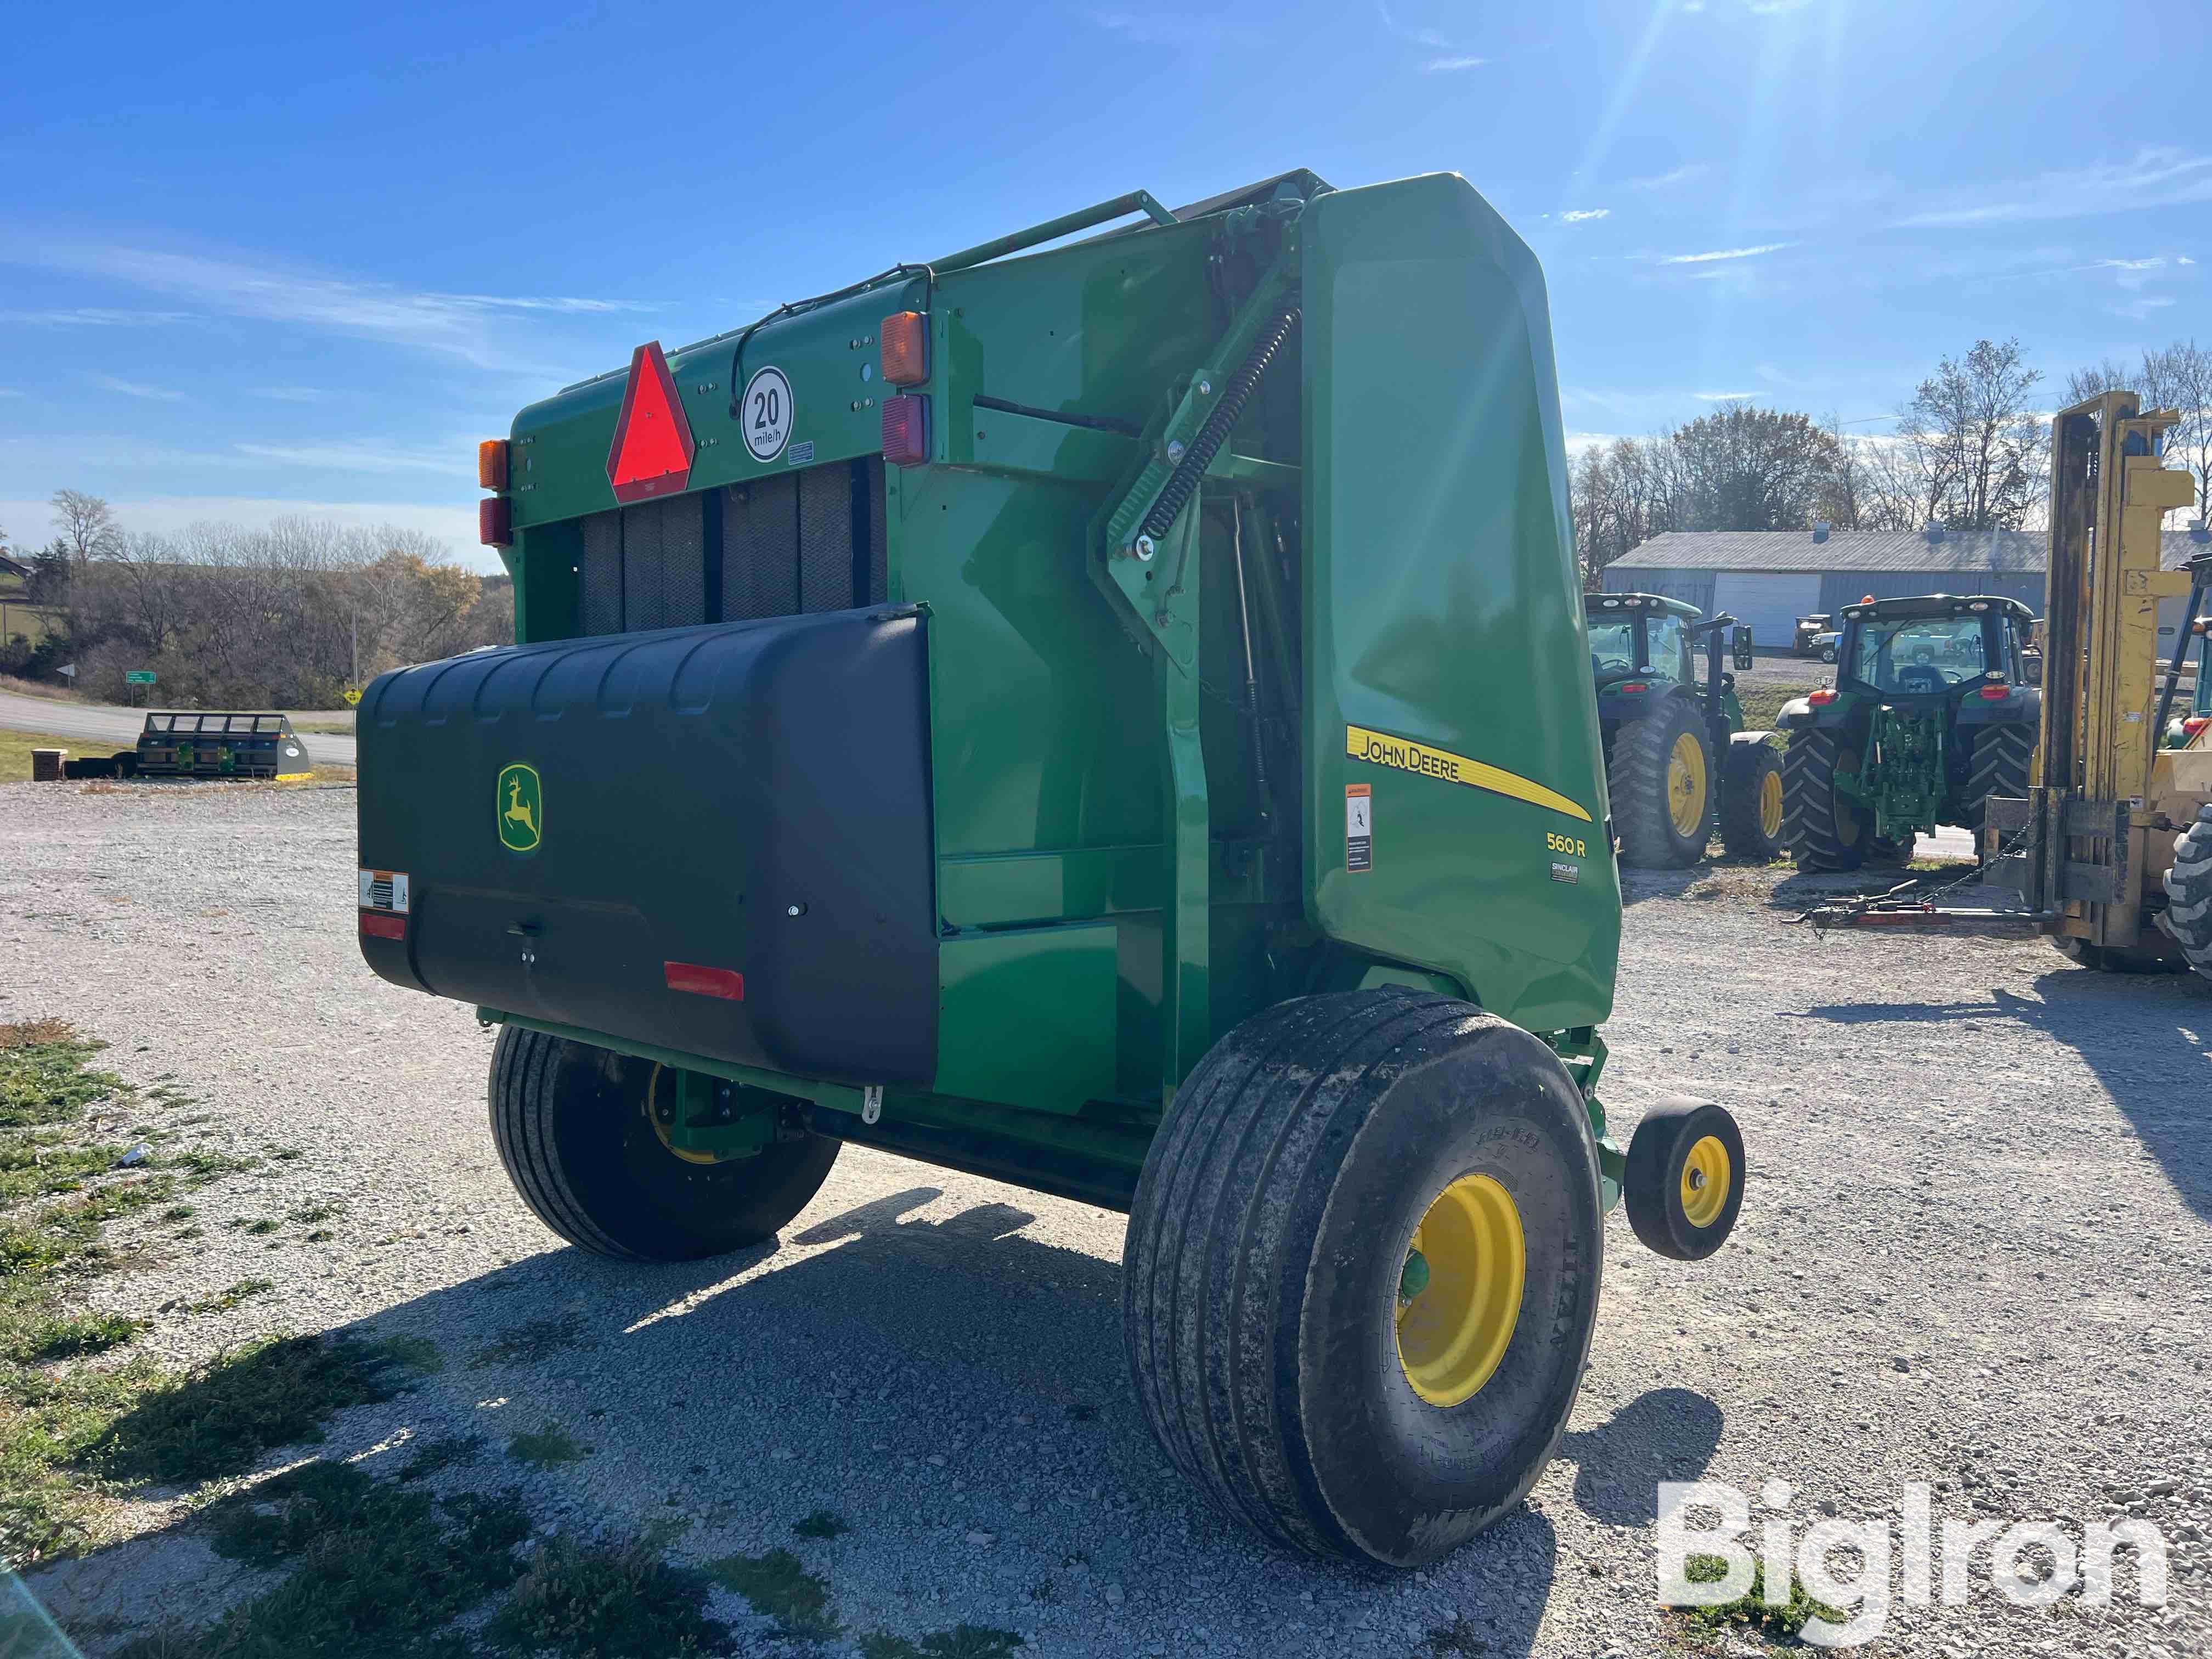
point(2109, 854)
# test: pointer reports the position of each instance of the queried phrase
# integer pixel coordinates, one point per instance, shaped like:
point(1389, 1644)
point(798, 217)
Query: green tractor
point(1107, 715)
point(1663, 724)
point(1931, 714)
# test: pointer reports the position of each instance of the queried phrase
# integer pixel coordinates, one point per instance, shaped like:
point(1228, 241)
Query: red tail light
point(496, 521)
point(1632, 685)
point(725, 982)
point(382, 924)
point(906, 430)
point(905, 342)
point(491, 464)
point(1996, 693)
point(1822, 697)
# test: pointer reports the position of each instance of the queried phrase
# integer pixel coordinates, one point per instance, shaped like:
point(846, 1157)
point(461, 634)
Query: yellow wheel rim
point(1685, 783)
point(1464, 1271)
point(1770, 805)
point(659, 1111)
point(1707, 1178)
point(1847, 812)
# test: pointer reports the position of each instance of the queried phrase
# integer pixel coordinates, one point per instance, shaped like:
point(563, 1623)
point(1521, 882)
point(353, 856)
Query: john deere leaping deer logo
point(522, 804)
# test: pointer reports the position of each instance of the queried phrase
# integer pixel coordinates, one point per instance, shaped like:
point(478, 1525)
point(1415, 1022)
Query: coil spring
point(1184, 482)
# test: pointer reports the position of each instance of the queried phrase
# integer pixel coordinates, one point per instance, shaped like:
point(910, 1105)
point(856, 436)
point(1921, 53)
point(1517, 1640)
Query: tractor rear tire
point(1825, 831)
point(2002, 759)
point(1751, 801)
point(2187, 919)
point(1314, 1371)
point(1660, 783)
point(573, 1127)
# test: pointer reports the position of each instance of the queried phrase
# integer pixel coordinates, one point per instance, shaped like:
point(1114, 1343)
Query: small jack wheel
point(1683, 1183)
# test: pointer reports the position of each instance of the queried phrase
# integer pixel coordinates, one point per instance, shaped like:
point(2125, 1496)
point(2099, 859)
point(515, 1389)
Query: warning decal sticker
point(1406, 756)
point(1359, 826)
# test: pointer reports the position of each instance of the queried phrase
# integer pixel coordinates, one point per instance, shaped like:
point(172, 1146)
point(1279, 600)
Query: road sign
point(139, 677)
point(352, 695)
point(67, 670)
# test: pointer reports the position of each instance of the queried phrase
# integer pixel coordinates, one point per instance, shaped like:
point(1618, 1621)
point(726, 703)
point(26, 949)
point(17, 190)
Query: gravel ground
point(1974, 1253)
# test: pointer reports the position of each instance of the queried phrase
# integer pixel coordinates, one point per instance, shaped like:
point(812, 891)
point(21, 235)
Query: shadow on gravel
point(931, 1382)
point(1668, 1434)
point(2146, 1036)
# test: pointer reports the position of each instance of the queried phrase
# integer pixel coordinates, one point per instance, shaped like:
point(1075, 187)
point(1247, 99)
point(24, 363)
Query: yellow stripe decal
point(1406, 756)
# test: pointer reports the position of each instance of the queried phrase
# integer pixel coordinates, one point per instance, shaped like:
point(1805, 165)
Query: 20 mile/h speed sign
point(766, 414)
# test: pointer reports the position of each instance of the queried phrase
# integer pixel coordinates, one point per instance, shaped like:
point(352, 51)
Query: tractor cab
point(1639, 636)
point(1932, 647)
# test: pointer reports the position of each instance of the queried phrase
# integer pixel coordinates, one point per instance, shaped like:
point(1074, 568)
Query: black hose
point(1182, 484)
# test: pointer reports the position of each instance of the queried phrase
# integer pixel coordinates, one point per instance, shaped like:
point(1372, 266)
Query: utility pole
point(356, 680)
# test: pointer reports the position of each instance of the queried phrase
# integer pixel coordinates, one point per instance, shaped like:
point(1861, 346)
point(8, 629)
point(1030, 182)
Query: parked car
point(1809, 629)
point(1822, 644)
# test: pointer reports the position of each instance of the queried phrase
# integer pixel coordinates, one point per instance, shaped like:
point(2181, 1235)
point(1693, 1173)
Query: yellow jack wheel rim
point(1770, 805)
point(659, 1109)
point(1708, 1177)
point(1685, 783)
point(1459, 1292)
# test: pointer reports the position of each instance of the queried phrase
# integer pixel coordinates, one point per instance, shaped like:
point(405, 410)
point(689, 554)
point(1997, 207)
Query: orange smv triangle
point(653, 448)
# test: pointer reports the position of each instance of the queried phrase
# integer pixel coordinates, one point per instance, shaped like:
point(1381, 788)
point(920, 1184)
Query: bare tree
point(1973, 443)
point(2178, 378)
point(87, 525)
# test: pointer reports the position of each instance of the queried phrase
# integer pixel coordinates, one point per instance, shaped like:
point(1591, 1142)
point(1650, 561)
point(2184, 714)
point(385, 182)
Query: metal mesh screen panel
point(825, 538)
point(601, 576)
point(664, 564)
point(760, 549)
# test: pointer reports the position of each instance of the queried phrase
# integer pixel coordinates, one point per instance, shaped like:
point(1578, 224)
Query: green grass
point(822, 1523)
point(202, 1167)
point(779, 1585)
point(607, 1603)
point(375, 1570)
point(308, 1214)
point(43, 1338)
point(1750, 1611)
point(16, 749)
point(230, 1296)
point(548, 1446)
point(1762, 699)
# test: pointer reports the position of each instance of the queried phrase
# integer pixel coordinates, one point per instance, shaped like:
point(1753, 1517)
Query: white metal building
point(1770, 578)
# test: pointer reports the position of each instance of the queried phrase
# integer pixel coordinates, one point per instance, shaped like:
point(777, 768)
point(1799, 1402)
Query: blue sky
point(260, 260)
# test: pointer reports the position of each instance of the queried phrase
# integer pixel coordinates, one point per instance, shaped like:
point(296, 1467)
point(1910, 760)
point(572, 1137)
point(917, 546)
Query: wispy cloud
point(1447, 65)
point(454, 323)
point(1722, 397)
point(359, 457)
point(92, 317)
point(1419, 37)
point(1173, 29)
point(363, 458)
point(1712, 254)
point(159, 394)
point(1681, 175)
point(9, 391)
point(290, 394)
point(2158, 177)
point(1577, 215)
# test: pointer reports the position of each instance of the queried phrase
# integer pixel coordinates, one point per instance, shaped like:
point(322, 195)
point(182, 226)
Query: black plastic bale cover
point(742, 797)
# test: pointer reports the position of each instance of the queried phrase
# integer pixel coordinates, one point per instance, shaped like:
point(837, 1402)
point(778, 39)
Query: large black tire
point(1658, 762)
point(570, 1121)
point(1825, 830)
point(2187, 918)
point(1268, 1297)
point(2001, 757)
point(1751, 800)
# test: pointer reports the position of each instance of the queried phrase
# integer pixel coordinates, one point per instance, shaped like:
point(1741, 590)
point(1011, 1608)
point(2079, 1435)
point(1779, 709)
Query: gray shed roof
point(2025, 550)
